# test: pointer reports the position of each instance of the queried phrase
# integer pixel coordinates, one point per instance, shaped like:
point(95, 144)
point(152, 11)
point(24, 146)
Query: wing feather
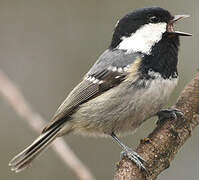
point(102, 77)
point(84, 91)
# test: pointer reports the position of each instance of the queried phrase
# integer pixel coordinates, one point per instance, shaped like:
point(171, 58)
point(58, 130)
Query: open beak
point(170, 26)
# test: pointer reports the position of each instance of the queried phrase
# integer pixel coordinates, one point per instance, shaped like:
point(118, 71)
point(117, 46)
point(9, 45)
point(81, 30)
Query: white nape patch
point(143, 39)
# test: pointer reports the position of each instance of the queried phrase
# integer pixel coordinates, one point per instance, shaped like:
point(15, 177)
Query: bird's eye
point(153, 19)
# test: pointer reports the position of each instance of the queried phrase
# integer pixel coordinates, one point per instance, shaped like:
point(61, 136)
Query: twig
point(14, 97)
point(161, 146)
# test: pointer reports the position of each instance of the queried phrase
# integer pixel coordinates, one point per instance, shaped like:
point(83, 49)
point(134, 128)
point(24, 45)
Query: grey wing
point(108, 72)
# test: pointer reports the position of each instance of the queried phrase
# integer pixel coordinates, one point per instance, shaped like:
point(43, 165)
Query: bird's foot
point(133, 156)
point(168, 113)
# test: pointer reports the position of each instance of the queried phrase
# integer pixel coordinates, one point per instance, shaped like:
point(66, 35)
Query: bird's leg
point(168, 113)
point(128, 152)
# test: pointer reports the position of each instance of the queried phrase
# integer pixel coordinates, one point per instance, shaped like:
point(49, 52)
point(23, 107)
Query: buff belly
point(122, 109)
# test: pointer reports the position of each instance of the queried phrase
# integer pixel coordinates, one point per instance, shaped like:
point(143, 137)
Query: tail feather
point(23, 159)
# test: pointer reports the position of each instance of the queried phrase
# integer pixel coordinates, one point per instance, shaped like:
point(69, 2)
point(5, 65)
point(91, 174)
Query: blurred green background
point(46, 47)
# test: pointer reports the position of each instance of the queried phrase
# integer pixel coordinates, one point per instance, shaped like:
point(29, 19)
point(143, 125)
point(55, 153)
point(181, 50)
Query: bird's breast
point(123, 108)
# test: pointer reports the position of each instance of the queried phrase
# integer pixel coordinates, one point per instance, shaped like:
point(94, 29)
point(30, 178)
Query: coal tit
point(130, 82)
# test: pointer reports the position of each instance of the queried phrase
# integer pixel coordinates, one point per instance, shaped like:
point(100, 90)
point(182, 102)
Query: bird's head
point(141, 29)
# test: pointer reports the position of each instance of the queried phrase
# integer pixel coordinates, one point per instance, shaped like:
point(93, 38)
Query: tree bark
point(161, 146)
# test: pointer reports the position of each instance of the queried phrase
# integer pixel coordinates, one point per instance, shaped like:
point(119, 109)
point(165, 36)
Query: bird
point(129, 83)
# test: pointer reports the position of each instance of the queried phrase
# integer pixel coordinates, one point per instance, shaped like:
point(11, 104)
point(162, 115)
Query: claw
point(168, 113)
point(130, 154)
point(133, 156)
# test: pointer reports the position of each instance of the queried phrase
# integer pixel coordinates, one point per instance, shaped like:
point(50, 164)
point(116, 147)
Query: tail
point(23, 159)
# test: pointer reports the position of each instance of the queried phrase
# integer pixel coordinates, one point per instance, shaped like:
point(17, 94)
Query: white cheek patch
point(143, 39)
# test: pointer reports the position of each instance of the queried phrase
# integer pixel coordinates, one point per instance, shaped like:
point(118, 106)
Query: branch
point(14, 97)
point(161, 146)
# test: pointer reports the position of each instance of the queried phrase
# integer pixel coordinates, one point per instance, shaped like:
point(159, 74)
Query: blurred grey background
point(46, 47)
